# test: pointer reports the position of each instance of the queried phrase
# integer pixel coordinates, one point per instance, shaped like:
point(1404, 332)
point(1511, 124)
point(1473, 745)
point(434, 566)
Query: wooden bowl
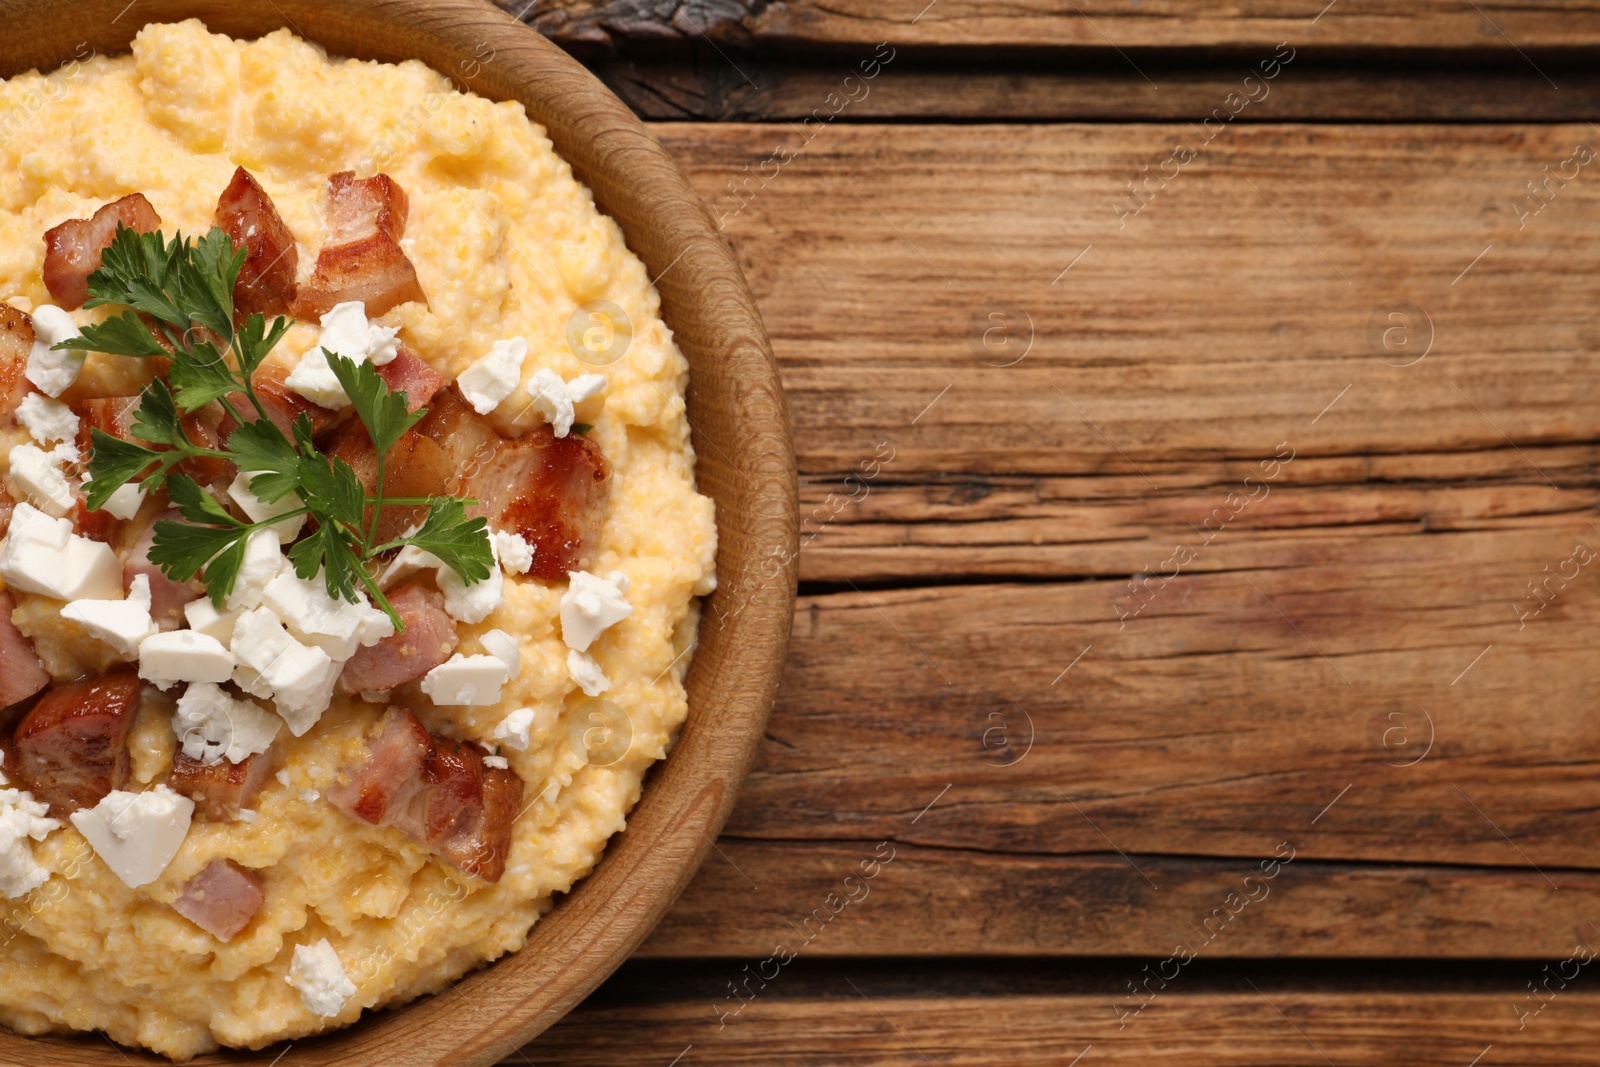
point(746, 462)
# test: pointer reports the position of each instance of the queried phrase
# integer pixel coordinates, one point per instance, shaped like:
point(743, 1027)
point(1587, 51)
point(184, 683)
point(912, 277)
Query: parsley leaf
point(180, 298)
point(462, 543)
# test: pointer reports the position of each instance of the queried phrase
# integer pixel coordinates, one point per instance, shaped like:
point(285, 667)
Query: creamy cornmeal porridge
point(240, 806)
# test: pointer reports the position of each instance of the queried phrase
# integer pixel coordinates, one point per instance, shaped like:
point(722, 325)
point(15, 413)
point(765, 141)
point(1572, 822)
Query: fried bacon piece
point(224, 789)
point(428, 640)
point(16, 342)
point(361, 258)
point(551, 490)
point(436, 791)
point(408, 373)
point(115, 414)
point(22, 674)
point(221, 899)
point(71, 747)
point(267, 280)
point(72, 250)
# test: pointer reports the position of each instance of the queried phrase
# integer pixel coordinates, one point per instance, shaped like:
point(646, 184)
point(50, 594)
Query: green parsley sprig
point(179, 300)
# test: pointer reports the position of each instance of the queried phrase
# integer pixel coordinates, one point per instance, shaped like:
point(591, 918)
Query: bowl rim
point(745, 461)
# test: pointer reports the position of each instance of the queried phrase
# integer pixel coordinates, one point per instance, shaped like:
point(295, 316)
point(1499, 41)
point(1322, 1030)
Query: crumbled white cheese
point(346, 332)
point(309, 796)
point(22, 819)
point(124, 501)
point(211, 724)
point(263, 560)
point(408, 561)
point(490, 380)
point(499, 762)
point(475, 602)
point(122, 624)
point(259, 510)
point(503, 646)
point(246, 815)
point(39, 475)
point(283, 776)
point(297, 678)
point(587, 673)
point(47, 420)
point(513, 729)
point(320, 977)
point(136, 834)
point(174, 656)
point(592, 605)
point(516, 555)
point(556, 400)
point(203, 617)
point(42, 555)
point(53, 371)
point(335, 625)
point(466, 680)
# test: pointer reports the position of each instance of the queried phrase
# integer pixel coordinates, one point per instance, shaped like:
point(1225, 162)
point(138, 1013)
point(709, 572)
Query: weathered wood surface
point(857, 1016)
point(1095, 24)
point(1320, 637)
point(1407, 89)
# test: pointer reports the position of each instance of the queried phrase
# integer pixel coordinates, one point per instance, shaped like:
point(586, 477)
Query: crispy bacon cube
point(429, 638)
point(72, 250)
point(436, 791)
point(267, 280)
point(16, 342)
point(22, 673)
point(71, 747)
point(224, 789)
point(221, 899)
point(361, 258)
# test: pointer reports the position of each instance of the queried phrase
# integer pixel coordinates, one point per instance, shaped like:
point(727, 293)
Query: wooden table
point(1195, 656)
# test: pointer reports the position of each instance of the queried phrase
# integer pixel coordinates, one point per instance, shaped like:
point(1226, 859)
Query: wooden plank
point(1217, 321)
point(933, 902)
point(709, 87)
point(864, 1018)
point(1093, 24)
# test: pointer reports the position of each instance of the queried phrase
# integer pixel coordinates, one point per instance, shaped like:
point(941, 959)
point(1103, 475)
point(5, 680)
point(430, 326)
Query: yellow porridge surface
point(506, 243)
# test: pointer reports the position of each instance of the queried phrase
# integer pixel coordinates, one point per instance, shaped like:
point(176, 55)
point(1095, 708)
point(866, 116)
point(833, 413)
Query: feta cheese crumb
point(42, 555)
point(586, 673)
point(204, 618)
point(475, 602)
point(345, 331)
point(466, 680)
point(592, 605)
point(259, 510)
point(310, 796)
point(513, 729)
point(320, 977)
point(122, 624)
point(22, 818)
point(503, 647)
point(263, 560)
point(174, 656)
point(283, 776)
point(39, 475)
point(124, 501)
point(337, 626)
point(212, 724)
point(246, 815)
point(490, 380)
point(47, 420)
point(499, 762)
point(297, 678)
point(516, 554)
point(136, 834)
point(53, 371)
point(556, 399)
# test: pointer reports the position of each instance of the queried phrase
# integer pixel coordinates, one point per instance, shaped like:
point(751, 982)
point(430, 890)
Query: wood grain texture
point(1021, 88)
point(858, 1022)
point(746, 463)
point(1092, 24)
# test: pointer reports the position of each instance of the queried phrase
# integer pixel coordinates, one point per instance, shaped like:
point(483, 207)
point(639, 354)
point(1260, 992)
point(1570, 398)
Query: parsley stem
point(380, 600)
